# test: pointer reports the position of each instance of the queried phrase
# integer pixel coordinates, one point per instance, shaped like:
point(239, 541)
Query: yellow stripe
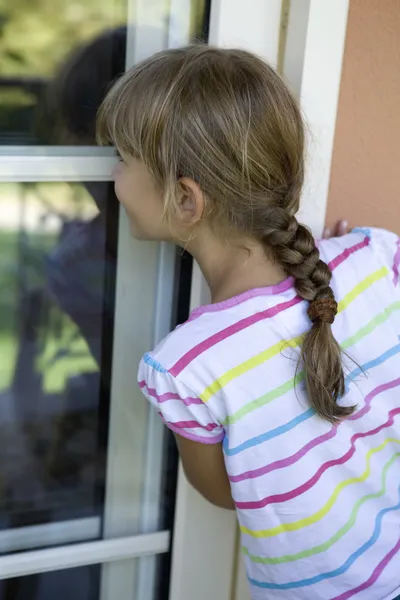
point(248, 365)
point(265, 355)
point(296, 525)
point(361, 287)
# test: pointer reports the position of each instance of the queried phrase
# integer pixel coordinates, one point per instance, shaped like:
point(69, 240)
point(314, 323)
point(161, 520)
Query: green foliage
point(36, 35)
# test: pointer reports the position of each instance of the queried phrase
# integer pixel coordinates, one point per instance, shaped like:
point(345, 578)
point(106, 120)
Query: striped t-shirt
point(318, 505)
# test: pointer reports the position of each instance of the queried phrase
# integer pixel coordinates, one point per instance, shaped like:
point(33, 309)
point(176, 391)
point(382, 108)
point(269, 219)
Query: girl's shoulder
point(362, 245)
point(351, 256)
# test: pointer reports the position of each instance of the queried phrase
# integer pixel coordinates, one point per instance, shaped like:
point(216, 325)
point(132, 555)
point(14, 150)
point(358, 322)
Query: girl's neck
point(233, 268)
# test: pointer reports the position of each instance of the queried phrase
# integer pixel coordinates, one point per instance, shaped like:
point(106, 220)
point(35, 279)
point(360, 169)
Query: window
point(86, 470)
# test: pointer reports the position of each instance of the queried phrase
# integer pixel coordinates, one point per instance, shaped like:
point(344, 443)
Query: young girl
point(284, 393)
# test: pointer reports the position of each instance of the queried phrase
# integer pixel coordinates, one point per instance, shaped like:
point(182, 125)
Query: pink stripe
point(315, 478)
point(348, 252)
point(168, 396)
point(190, 425)
point(290, 460)
point(376, 573)
point(187, 358)
point(196, 438)
point(396, 264)
point(228, 331)
point(240, 298)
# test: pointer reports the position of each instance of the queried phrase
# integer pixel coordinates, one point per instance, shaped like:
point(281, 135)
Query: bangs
point(118, 118)
point(136, 113)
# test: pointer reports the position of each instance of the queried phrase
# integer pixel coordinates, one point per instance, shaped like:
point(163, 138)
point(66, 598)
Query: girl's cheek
point(117, 188)
point(117, 170)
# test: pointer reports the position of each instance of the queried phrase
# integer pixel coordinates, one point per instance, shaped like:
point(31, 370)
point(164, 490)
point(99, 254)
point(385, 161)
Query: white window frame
point(126, 511)
point(79, 555)
point(313, 65)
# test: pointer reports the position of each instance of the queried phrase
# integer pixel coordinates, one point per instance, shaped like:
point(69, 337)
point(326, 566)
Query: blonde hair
point(225, 119)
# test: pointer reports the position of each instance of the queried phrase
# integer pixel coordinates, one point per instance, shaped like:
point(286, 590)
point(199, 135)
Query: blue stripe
point(149, 360)
point(340, 570)
point(264, 437)
point(364, 230)
point(373, 363)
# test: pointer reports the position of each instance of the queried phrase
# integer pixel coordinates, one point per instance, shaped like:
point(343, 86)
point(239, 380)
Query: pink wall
point(365, 176)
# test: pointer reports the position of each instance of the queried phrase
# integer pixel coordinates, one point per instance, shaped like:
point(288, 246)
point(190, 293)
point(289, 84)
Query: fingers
point(340, 228)
point(327, 233)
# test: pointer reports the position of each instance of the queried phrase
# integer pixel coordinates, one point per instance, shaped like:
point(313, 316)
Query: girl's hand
point(341, 228)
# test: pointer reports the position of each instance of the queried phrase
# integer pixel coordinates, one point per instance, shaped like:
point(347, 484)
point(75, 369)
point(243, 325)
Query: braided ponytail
point(293, 246)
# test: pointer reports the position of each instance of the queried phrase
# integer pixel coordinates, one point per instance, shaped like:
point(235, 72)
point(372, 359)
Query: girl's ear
point(190, 202)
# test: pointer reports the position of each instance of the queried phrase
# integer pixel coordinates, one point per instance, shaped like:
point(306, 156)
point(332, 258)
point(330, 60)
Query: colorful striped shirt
point(318, 505)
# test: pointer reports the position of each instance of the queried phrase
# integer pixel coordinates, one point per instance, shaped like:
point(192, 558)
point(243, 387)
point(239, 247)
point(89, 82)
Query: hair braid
point(293, 246)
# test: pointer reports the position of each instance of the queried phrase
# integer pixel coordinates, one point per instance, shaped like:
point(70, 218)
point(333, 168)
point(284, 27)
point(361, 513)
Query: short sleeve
point(180, 409)
point(386, 246)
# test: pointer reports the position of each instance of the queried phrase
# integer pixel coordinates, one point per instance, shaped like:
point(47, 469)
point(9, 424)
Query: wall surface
point(365, 174)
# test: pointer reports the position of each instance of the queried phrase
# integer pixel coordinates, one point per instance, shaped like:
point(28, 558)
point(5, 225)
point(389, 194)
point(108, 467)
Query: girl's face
point(142, 201)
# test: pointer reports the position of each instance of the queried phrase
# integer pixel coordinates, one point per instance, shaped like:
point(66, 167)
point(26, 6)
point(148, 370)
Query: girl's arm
point(204, 467)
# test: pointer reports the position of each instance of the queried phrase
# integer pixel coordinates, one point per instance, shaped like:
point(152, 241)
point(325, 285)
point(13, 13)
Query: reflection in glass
point(78, 584)
point(57, 264)
point(57, 276)
point(57, 58)
point(37, 40)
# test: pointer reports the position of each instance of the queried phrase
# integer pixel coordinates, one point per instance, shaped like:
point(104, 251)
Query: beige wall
point(365, 176)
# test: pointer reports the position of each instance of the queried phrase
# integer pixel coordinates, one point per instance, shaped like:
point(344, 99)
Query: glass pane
point(80, 584)
point(83, 583)
point(57, 273)
point(58, 257)
point(79, 461)
point(58, 57)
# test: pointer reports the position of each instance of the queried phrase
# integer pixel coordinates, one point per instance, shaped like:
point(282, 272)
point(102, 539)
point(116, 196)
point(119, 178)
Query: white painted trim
point(57, 151)
point(179, 23)
point(295, 47)
point(49, 534)
point(129, 418)
point(316, 72)
point(203, 547)
point(253, 25)
point(79, 555)
point(151, 500)
point(146, 38)
point(37, 167)
point(242, 591)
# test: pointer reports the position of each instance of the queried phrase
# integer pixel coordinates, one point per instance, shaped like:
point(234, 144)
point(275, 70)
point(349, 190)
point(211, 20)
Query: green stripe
point(342, 531)
point(378, 320)
point(265, 399)
point(286, 387)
